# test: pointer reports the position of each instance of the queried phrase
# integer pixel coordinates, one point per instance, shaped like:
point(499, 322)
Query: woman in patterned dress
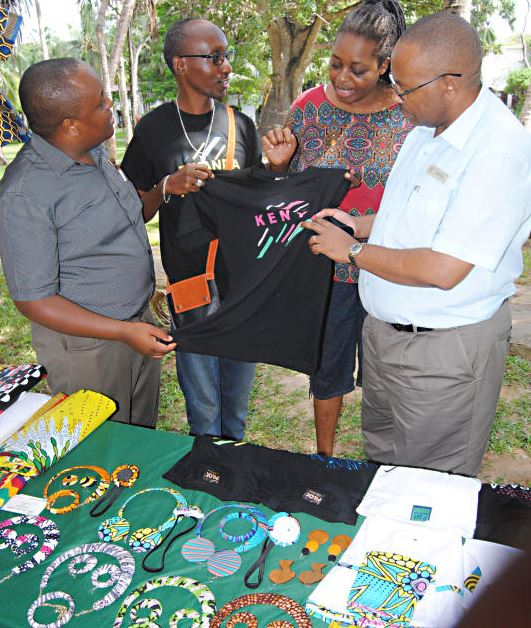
point(355, 121)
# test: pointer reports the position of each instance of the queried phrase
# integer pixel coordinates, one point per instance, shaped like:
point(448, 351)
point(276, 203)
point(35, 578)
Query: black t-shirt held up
point(274, 290)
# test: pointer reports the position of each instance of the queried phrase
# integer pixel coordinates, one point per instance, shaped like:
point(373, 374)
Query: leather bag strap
point(231, 143)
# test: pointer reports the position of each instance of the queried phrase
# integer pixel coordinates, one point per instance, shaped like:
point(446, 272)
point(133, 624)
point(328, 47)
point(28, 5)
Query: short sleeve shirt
point(465, 193)
point(159, 147)
point(74, 230)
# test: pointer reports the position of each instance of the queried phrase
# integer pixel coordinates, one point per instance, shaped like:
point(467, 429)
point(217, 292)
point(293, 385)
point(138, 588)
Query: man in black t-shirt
point(174, 150)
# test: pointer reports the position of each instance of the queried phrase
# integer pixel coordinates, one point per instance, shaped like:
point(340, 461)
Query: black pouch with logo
point(216, 466)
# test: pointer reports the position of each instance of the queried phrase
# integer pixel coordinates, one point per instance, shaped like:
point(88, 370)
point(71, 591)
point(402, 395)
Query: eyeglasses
point(216, 57)
point(406, 92)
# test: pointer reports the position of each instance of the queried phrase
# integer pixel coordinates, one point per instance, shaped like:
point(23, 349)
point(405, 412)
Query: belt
point(409, 328)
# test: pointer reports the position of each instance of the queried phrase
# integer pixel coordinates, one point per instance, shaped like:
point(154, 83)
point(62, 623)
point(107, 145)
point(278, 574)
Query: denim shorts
point(341, 343)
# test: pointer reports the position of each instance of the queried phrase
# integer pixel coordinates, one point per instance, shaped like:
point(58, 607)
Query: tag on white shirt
point(25, 505)
point(437, 173)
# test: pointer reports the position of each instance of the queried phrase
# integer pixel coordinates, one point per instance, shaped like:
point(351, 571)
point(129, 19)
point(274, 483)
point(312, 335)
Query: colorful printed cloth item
point(12, 129)
point(387, 587)
point(9, 26)
point(14, 380)
point(49, 436)
point(394, 574)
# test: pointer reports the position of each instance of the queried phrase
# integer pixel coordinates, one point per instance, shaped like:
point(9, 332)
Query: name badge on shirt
point(437, 173)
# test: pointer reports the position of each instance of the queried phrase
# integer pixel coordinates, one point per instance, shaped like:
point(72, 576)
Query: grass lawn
point(280, 412)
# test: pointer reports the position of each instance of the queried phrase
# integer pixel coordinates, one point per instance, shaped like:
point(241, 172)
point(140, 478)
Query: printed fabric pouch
point(197, 297)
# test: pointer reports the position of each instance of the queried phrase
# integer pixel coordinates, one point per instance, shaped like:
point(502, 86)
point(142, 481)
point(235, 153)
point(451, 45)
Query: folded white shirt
point(435, 498)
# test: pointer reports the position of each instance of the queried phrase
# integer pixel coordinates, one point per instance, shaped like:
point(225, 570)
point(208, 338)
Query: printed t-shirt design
point(274, 291)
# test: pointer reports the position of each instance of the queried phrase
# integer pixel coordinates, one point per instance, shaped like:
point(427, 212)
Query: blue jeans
point(216, 391)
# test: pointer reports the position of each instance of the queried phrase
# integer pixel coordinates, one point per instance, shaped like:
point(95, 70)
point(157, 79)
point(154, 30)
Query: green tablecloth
point(154, 452)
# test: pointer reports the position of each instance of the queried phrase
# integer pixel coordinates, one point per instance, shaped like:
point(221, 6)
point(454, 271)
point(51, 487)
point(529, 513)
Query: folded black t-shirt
point(282, 480)
point(274, 291)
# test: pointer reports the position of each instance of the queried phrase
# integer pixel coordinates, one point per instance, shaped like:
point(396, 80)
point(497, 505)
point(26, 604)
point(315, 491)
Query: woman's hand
point(352, 176)
point(279, 146)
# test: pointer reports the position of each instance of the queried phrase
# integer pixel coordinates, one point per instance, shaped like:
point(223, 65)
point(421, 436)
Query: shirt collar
point(458, 133)
point(59, 161)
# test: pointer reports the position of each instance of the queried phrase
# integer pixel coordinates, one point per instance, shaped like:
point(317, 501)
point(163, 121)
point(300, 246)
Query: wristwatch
point(354, 251)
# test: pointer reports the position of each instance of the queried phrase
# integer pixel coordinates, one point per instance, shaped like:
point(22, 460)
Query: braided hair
point(381, 21)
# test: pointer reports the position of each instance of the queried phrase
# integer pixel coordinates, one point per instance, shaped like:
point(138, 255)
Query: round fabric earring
point(315, 538)
point(339, 544)
point(284, 529)
point(226, 562)
point(122, 477)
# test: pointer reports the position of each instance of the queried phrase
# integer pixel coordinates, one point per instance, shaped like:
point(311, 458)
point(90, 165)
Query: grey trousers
point(429, 398)
point(105, 366)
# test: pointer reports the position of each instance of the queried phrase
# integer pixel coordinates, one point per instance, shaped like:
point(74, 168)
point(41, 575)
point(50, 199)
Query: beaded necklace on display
point(289, 606)
point(196, 150)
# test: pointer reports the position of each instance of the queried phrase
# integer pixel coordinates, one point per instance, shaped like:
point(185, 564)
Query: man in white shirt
point(443, 254)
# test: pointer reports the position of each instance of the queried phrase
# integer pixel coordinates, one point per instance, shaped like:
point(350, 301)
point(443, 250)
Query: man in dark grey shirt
point(74, 246)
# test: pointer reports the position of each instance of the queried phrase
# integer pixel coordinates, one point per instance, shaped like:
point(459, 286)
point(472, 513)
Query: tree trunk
point(525, 115)
point(523, 35)
point(3, 160)
point(100, 21)
point(291, 52)
point(463, 8)
point(124, 101)
point(122, 27)
point(42, 34)
point(134, 55)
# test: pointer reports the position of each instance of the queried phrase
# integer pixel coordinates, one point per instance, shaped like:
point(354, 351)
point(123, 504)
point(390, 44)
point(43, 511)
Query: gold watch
point(354, 251)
